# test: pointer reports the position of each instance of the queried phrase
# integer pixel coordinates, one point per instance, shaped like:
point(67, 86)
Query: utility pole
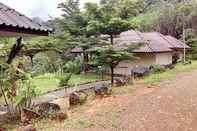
point(184, 41)
point(184, 50)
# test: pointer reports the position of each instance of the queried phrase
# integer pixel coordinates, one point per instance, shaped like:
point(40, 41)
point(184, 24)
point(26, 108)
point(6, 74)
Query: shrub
point(75, 66)
point(64, 80)
point(157, 69)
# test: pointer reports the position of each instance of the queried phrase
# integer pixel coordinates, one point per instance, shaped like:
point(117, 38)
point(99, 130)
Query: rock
point(139, 71)
point(129, 80)
point(28, 115)
point(120, 82)
point(76, 98)
point(101, 90)
point(60, 117)
point(47, 109)
point(152, 86)
point(28, 128)
point(171, 66)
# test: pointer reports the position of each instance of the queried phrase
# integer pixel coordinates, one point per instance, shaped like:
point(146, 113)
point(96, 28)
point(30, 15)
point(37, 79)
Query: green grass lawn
point(50, 82)
point(155, 78)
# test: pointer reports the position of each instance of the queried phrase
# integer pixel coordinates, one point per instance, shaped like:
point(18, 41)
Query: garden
point(49, 75)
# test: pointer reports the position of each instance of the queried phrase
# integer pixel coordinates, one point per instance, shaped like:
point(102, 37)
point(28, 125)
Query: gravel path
point(61, 93)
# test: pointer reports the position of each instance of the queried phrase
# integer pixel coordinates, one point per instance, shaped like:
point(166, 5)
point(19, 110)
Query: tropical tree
point(191, 40)
point(111, 27)
point(110, 56)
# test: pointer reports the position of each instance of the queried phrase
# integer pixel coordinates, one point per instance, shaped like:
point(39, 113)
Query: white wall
point(164, 58)
point(145, 59)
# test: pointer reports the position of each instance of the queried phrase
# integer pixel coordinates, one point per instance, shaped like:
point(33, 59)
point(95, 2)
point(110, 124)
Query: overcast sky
point(38, 8)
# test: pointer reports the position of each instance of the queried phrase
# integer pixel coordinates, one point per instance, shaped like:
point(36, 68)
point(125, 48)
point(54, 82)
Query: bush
point(64, 80)
point(157, 69)
point(75, 66)
point(48, 62)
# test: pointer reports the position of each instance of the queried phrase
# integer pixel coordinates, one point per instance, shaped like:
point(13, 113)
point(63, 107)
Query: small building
point(156, 49)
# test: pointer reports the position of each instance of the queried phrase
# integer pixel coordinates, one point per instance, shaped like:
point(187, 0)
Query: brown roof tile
point(11, 18)
point(175, 43)
point(153, 41)
point(156, 42)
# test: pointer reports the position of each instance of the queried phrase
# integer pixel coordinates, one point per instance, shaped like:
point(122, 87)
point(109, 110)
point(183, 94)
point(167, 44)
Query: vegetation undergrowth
point(168, 74)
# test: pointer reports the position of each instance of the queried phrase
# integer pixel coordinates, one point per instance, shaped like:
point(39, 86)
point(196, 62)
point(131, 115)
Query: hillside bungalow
point(157, 49)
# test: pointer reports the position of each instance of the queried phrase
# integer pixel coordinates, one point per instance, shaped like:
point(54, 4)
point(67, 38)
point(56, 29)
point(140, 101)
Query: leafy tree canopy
point(110, 56)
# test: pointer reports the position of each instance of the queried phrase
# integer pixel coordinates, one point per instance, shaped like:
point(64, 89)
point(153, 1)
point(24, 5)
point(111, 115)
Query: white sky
point(38, 8)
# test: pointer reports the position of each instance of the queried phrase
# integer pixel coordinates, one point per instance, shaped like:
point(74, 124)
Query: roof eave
point(17, 31)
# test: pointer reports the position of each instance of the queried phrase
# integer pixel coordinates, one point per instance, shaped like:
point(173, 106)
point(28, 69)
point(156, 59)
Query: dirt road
point(171, 107)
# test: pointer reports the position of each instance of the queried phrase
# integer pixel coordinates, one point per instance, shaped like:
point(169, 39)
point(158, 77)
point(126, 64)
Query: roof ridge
point(143, 39)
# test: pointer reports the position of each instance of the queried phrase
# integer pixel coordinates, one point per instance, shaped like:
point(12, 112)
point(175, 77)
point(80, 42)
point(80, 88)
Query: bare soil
point(170, 107)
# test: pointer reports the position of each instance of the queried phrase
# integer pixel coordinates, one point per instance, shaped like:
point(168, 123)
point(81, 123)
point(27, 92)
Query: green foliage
point(69, 7)
point(158, 69)
point(26, 90)
point(40, 64)
point(115, 26)
point(75, 66)
point(167, 17)
point(64, 80)
point(191, 40)
point(144, 22)
point(130, 8)
point(50, 82)
point(73, 20)
point(122, 8)
point(110, 56)
point(155, 78)
point(15, 79)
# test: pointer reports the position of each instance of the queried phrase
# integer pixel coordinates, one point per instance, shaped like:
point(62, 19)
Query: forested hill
point(165, 16)
point(168, 16)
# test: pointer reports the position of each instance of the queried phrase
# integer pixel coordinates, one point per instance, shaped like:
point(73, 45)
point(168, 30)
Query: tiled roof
point(152, 41)
point(11, 18)
point(156, 42)
point(175, 43)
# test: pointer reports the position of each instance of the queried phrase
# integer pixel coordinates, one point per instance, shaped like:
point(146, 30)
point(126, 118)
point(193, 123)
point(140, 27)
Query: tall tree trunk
point(14, 52)
point(112, 75)
point(111, 39)
point(13, 88)
point(86, 60)
point(32, 62)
